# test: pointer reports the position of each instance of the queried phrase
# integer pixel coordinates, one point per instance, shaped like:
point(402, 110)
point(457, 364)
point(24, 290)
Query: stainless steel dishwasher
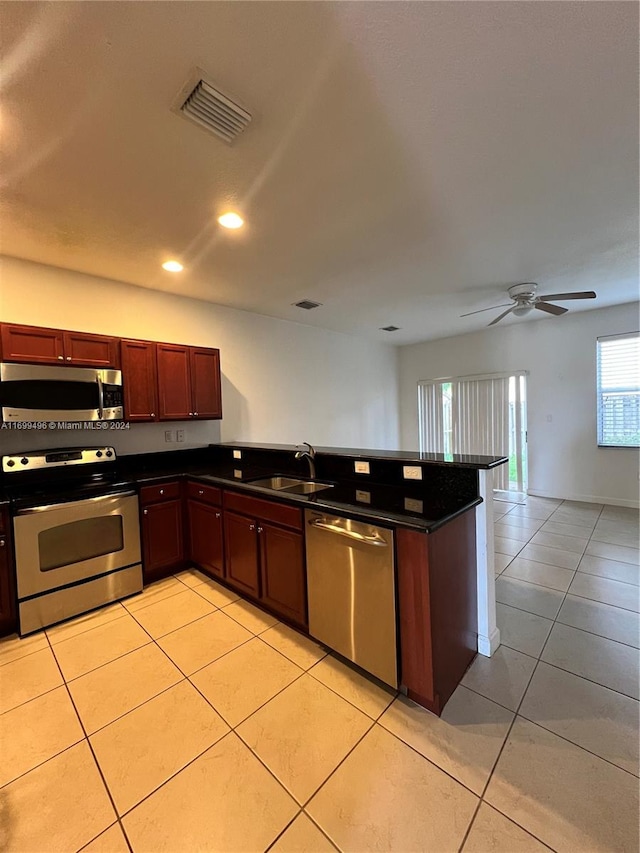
point(351, 589)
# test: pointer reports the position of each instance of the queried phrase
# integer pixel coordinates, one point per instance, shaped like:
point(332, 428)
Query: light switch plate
point(361, 467)
point(412, 472)
point(237, 454)
point(168, 435)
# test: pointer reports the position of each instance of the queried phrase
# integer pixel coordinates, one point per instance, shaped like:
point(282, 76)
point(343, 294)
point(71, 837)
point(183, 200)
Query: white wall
point(560, 355)
point(282, 381)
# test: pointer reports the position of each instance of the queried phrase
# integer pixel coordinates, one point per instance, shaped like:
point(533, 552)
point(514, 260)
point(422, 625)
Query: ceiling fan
point(524, 300)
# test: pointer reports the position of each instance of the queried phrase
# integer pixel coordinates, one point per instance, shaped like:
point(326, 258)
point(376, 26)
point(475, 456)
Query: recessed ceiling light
point(231, 220)
point(172, 266)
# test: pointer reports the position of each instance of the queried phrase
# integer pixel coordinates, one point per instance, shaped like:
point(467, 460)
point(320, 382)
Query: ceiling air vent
point(389, 328)
point(208, 107)
point(307, 304)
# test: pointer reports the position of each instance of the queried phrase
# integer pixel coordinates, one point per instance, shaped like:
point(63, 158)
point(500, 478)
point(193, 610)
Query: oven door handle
point(100, 398)
point(73, 504)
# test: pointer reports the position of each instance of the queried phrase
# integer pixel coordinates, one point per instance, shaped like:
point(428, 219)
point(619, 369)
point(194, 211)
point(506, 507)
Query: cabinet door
point(205, 383)
point(241, 550)
point(140, 380)
point(162, 539)
point(174, 383)
point(7, 602)
point(32, 344)
point(282, 571)
point(205, 537)
point(87, 350)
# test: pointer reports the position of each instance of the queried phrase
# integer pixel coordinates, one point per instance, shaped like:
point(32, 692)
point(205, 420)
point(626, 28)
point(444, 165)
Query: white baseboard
point(590, 499)
point(488, 645)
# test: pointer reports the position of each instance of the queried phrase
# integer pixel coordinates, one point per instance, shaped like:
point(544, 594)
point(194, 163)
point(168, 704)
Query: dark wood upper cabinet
point(174, 382)
point(140, 380)
point(205, 383)
point(32, 344)
point(205, 537)
point(87, 350)
point(241, 547)
point(51, 346)
point(282, 572)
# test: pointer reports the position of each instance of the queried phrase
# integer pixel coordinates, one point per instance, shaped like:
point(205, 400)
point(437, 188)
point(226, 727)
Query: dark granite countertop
point(455, 459)
point(391, 505)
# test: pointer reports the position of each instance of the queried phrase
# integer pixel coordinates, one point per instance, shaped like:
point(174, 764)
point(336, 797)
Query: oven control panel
point(41, 459)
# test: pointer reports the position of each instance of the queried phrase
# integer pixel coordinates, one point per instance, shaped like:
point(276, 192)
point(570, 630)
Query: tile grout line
point(93, 755)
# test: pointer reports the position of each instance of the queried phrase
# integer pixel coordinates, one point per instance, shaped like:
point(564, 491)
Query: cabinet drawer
point(279, 513)
point(160, 492)
point(206, 494)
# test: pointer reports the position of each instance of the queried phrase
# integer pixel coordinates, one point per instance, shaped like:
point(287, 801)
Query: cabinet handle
point(145, 511)
point(217, 515)
point(252, 527)
point(195, 414)
point(2, 543)
point(190, 414)
point(162, 491)
point(259, 530)
point(201, 491)
point(60, 358)
point(153, 414)
point(68, 358)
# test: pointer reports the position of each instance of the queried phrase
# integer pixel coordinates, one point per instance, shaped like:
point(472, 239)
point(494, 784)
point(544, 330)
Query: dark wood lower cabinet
point(282, 572)
point(206, 548)
point(241, 551)
point(8, 614)
point(437, 604)
point(162, 539)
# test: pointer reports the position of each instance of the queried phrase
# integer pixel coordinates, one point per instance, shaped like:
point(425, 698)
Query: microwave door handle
point(100, 398)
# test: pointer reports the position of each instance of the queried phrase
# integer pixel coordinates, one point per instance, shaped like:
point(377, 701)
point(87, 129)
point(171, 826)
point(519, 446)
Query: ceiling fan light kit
point(524, 300)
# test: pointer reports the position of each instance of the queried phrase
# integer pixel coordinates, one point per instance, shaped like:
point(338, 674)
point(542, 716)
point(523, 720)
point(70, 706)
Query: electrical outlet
point(363, 497)
point(237, 473)
point(168, 435)
point(237, 454)
point(412, 472)
point(412, 505)
point(361, 467)
point(179, 435)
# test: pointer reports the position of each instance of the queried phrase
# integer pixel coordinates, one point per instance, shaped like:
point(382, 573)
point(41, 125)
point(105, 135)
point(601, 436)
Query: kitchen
point(192, 617)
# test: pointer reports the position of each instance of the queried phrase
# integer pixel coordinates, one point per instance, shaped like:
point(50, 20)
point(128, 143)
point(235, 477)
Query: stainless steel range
point(76, 533)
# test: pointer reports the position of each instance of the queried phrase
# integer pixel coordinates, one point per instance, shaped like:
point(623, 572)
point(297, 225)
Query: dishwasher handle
point(334, 527)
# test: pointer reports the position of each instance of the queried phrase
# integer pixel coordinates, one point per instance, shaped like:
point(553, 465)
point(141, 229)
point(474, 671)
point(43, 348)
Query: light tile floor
point(184, 719)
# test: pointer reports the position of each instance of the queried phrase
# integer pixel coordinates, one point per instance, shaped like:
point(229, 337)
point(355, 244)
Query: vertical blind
point(618, 390)
point(474, 415)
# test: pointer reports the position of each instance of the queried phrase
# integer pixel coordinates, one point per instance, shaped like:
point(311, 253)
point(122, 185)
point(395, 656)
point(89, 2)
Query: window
point(619, 391)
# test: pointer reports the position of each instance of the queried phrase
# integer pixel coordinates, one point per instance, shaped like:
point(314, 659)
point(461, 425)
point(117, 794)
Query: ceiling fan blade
point(584, 294)
point(493, 308)
point(504, 314)
point(550, 309)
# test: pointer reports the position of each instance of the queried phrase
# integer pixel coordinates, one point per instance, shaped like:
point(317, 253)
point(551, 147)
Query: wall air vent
point(307, 304)
point(207, 106)
point(389, 328)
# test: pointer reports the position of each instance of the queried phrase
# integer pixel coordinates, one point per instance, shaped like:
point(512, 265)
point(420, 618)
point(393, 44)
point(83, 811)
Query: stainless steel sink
point(291, 485)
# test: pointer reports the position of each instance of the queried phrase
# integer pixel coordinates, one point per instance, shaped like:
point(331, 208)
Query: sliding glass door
point(478, 414)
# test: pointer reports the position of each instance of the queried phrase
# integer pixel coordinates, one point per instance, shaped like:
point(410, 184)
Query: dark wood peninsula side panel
point(437, 604)
point(8, 613)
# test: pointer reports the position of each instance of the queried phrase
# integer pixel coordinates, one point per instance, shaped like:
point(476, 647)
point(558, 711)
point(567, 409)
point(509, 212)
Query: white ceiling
point(407, 162)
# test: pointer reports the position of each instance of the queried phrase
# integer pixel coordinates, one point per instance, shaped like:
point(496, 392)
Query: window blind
point(618, 390)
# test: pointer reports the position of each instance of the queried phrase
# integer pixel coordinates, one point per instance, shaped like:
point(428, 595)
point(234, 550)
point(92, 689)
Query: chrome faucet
point(310, 454)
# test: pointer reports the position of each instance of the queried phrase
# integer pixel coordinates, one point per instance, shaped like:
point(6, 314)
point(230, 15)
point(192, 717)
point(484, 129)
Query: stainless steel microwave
point(31, 392)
